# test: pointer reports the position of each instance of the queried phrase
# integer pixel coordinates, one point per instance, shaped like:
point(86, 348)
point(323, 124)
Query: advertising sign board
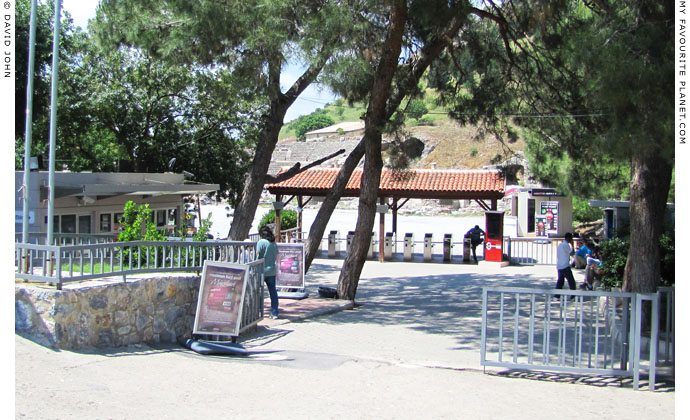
point(221, 297)
point(549, 216)
point(290, 266)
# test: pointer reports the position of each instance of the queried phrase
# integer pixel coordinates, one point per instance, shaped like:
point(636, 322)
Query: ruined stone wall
point(151, 310)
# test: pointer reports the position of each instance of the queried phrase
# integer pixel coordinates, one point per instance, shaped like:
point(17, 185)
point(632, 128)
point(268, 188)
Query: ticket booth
point(493, 245)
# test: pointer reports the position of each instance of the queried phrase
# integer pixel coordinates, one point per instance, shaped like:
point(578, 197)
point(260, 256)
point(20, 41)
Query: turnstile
point(408, 250)
point(348, 241)
point(333, 244)
point(388, 246)
point(370, 253)
point(448, 247)
point(428, 247)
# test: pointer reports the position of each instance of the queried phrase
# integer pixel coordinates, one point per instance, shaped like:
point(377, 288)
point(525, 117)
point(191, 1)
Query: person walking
point(563, 254)
point(267, 249)
point(477, 236)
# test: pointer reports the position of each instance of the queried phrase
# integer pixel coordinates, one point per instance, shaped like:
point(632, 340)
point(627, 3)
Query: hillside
point(447, 144)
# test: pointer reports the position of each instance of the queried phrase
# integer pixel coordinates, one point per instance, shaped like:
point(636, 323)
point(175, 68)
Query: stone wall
point(150, 310)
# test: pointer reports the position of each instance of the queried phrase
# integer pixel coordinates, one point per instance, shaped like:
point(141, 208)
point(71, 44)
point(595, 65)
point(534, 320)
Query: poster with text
point(549, 213)
point(290, 266)
point(221, 297)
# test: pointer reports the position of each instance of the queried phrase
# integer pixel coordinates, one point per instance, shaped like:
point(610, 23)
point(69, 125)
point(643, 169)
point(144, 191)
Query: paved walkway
point(409, 349)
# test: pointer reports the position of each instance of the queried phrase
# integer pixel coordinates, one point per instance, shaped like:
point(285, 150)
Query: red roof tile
point(414, 183)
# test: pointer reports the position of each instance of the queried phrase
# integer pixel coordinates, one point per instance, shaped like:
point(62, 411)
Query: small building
point(92, 203)
point(541, 211)
point(617, 216)
point(347, 128)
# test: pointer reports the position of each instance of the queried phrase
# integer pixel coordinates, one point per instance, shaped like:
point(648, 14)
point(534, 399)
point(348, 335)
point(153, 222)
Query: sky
point(313, 97)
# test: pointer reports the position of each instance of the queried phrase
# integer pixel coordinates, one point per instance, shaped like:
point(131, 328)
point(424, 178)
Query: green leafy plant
point(583, 212)
point(288, 219)
point(614, 255)
point(201, 234)
point(137, 226)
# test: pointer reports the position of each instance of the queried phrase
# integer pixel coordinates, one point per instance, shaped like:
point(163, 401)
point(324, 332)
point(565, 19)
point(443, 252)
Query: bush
point(614, 255)
point(416, 109)
point(288, 219)
point(583, 212)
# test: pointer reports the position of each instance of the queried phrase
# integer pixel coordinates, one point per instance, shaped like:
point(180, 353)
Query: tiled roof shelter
point(402, 184)
point(396, 185)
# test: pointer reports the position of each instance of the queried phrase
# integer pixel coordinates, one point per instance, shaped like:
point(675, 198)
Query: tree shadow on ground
point(437, 304)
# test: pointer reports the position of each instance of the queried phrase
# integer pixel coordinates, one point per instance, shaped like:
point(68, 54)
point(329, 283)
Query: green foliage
point(314, 121)
point(584, 213)
point(201, 234)
point(137, 225)
point(614, 255)
point(416, 109)
point(473, 151)
point(288, 219)
point(667, 244)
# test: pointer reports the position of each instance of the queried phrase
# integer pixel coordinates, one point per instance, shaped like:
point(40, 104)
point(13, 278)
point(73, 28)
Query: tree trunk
point(373, 163)
point(268, 138)
point(254, 183)
point(649, 187)
point(318, 227)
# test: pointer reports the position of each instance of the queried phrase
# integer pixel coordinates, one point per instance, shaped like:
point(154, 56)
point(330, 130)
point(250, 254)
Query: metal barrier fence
point(572, 331)
point(60, 264)
point(537, 251)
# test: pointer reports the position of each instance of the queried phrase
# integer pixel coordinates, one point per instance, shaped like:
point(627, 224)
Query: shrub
point(614, 255)
point(416, 109)
point(288, 219)
point(583, 212)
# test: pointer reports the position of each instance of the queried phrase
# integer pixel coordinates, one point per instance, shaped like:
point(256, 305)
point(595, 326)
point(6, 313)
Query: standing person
point(477, 236)
point(563, 254)
point(267, 249)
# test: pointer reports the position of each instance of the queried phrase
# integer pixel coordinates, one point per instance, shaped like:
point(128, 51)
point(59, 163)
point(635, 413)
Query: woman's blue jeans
point(273, 293)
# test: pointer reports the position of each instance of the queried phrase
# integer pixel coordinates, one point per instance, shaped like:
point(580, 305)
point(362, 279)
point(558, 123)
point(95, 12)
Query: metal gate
point(570, 331)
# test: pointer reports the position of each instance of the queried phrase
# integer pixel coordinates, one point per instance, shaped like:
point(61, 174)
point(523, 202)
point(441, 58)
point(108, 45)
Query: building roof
point(346, 126)
point(412, 183)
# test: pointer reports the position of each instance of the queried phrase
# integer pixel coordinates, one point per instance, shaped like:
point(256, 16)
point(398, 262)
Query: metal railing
point(537, 251)
point(571, 331)
point(61, 264)
point(39, 238)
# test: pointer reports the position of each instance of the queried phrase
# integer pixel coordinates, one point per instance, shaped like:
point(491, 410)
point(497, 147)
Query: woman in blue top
point(267, 249)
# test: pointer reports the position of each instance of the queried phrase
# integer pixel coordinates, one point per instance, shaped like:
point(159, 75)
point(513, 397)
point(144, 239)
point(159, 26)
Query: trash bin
point(466, 249)
point(388, 246)
point(448, 247)
point(348, 241)
point(408, 249)
point(333, 244)
point(428, 247)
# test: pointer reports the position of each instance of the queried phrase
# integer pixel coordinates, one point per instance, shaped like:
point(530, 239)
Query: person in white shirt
point(563, 254)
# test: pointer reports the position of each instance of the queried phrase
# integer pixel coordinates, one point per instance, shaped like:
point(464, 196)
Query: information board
point(221, 297)
point(290, 266)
